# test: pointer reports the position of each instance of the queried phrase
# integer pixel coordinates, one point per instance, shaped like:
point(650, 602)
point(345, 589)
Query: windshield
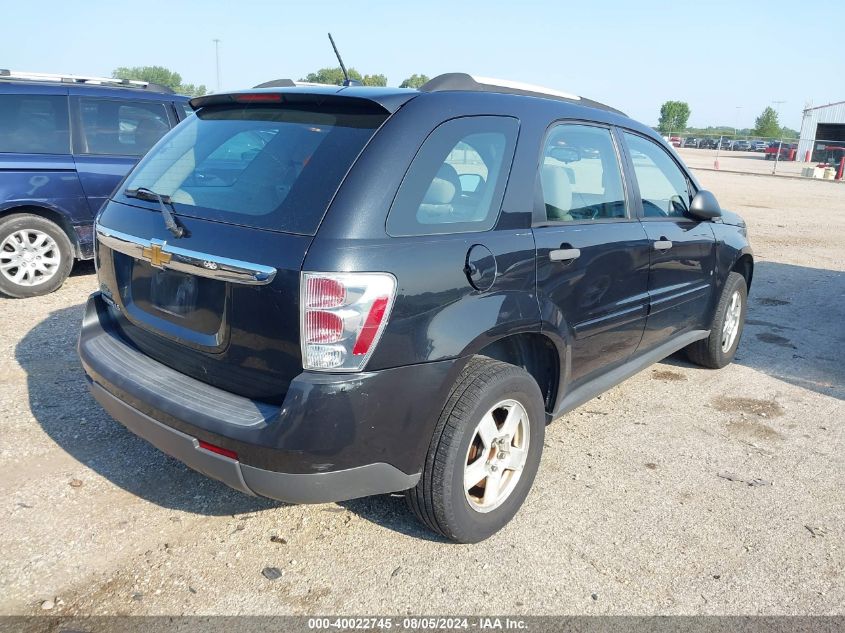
point(266, 167)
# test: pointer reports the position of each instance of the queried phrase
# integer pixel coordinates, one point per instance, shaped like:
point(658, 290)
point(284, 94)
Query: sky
point(727, 60)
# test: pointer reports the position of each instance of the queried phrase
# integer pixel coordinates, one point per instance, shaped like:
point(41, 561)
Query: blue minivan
point(65, 144)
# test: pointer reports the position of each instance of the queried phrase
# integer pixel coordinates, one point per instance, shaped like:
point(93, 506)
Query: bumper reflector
point(225, 452)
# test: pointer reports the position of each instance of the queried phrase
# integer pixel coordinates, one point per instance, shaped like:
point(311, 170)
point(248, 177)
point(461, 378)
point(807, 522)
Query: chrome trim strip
point(188, 261)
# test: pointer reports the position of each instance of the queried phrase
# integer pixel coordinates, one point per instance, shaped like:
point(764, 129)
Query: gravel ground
point(681, 491)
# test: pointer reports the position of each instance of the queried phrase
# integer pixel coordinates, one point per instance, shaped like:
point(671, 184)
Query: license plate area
point(173, 292)
point(185, 307)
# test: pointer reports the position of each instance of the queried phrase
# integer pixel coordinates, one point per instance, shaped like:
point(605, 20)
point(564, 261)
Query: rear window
point(272, 168)
point(34, 124)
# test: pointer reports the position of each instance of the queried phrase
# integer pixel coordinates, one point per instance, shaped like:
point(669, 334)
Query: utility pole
point(217, 60)
point(777, 105)
point(736, 122)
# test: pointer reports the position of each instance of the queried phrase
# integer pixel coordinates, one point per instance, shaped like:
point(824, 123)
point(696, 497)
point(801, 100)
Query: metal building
point(822, 131)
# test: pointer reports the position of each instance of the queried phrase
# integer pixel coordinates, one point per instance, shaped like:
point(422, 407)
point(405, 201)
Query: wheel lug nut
point(494, 468)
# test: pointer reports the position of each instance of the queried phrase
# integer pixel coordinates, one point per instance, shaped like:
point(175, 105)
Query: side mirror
point(705, 206)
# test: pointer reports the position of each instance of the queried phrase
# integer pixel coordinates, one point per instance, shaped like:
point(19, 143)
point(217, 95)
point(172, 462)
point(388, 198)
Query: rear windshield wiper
point(142, 193)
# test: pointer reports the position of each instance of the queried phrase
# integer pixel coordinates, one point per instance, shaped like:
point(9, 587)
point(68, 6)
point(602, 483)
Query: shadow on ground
point(795, 327)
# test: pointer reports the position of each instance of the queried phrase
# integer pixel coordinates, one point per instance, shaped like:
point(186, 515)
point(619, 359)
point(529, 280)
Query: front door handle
point(662, 244)
point(564, 254)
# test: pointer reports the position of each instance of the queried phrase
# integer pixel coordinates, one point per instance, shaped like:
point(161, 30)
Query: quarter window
point(664, 188)
point(34, 124)
point(580, 175)
point(119, 127)
point(457, 179)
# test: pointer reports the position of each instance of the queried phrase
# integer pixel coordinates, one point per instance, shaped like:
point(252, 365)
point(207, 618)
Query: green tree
point(673, 117)
point(334, 76)
point(767, 123)
point(414, 81)
point(159, 75)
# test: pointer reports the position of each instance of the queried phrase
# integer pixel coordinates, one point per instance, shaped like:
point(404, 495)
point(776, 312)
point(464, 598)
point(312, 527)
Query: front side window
point(580, 175)
point(457, 179)
point(34, 124)
point(127, 128)
point(664, 188)
point(267, 167)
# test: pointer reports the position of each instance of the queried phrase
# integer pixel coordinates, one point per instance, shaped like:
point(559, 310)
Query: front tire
point(35, 256)
point(719, 349)
point(484, 453)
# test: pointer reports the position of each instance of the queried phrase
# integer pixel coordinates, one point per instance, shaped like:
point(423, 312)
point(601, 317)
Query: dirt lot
point(682, 491)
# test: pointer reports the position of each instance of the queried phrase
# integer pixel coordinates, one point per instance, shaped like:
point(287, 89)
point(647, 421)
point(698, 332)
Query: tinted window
point(457, 179)
point(120, 127)
point(34, 124)
point(266, 167)
point(580, 175)
point(664, 188)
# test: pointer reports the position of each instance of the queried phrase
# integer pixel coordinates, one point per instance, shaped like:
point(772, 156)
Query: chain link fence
point(807, 157)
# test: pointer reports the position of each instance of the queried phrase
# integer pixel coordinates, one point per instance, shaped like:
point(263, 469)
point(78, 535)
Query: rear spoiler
point(388, 99)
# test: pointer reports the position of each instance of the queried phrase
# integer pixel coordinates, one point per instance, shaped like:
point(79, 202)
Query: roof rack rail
point(474, 83)
point(83, 79)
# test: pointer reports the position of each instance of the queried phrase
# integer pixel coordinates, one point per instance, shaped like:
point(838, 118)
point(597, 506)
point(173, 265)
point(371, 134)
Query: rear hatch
point(247, 181)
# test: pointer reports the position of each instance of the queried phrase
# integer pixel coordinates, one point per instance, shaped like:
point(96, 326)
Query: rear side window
point(126, 128)
point(664, 188)
point(34, 124)
point(580, 175)
point(266, 167)
point(457, 179)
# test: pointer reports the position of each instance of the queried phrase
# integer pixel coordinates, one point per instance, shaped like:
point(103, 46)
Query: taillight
point(342, 318)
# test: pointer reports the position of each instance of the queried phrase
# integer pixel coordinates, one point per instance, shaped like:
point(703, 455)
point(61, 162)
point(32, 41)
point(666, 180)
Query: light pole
point(777, 105)
point(217, 60)
point(736, 122)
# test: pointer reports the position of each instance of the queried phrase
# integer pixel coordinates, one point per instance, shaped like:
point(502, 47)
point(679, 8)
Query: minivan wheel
point(35, 255)
point(719, 349)
point(484, 453)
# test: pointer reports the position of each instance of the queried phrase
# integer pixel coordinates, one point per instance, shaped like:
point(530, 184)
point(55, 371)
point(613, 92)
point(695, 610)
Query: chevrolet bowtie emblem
point(157, 257)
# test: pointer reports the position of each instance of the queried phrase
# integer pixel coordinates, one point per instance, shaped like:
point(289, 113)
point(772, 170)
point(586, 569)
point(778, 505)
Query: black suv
point(320, 293)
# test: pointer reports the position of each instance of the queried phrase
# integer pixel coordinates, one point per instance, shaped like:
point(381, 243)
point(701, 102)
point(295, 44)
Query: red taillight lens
point(323, 327)
point(259, 97)
point(343, 316)
point(225, 452)
point(371, 326)
point(323, 292)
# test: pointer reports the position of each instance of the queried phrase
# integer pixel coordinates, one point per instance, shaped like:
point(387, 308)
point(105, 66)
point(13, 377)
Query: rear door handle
point(564, 254)
point(663, 245)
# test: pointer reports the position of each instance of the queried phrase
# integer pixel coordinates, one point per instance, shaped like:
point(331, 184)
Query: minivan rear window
point(266, 167)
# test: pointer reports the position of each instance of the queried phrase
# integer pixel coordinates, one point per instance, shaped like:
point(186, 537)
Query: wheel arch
point(534, 352)
point(744, 265)
point(48, 213)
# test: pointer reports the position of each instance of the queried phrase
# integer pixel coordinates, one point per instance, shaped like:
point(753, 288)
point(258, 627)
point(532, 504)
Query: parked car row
point(735, 145)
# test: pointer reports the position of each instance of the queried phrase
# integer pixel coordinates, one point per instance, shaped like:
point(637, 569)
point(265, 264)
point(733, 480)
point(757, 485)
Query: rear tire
point(719, 349)
point(35, 256)
point(492, 430)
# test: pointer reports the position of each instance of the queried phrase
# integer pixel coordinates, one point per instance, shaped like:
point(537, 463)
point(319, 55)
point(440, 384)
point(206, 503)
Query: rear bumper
point(334, 437)
point(339, 485)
